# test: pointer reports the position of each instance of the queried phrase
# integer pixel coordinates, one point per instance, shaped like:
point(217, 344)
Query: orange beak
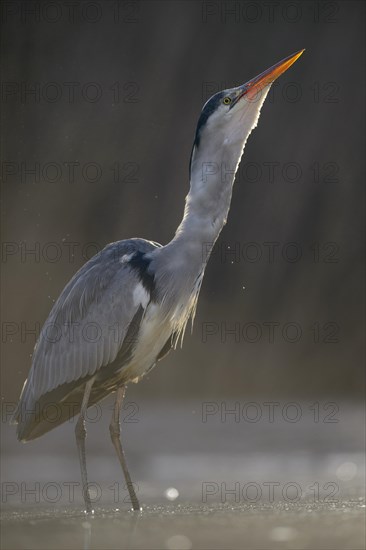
point(254, 86)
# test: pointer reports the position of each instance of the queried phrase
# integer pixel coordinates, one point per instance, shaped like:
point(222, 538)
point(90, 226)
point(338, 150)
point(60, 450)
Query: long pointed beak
point(254, 86)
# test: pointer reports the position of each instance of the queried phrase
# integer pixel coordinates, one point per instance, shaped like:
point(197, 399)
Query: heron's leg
point(115, 431)
point(80, 433)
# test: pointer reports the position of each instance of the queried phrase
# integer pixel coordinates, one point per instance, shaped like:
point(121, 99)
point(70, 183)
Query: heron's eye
point(226, 100)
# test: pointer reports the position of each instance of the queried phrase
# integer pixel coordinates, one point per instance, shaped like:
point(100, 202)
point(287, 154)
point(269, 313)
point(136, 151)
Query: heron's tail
point(24, 412)
point(36, 416)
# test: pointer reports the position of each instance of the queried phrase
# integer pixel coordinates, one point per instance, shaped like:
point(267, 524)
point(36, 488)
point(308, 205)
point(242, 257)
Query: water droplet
point(171, 493)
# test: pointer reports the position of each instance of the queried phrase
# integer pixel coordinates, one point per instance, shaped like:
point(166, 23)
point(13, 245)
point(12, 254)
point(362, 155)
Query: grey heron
point(136, 294)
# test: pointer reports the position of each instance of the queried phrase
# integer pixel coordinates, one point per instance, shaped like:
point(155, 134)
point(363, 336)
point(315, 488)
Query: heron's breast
point(154, 331)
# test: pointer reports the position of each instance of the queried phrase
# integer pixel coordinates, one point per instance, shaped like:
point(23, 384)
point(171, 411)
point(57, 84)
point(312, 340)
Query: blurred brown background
point(121, 85)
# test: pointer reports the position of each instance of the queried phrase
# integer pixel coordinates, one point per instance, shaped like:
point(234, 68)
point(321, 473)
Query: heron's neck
point(208, 201)
point(180, 264)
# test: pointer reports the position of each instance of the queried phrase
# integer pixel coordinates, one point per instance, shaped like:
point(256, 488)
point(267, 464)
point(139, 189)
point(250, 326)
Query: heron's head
point(228, 117)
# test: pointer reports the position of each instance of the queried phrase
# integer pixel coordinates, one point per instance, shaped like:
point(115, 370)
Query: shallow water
point(185, 526)
point(202, 485)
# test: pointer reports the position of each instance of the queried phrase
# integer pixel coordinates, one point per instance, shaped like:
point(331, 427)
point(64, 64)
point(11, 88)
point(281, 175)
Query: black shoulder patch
point(140, 263)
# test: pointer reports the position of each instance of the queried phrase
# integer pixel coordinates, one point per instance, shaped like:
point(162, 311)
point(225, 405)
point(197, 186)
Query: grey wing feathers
point(88, 323)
